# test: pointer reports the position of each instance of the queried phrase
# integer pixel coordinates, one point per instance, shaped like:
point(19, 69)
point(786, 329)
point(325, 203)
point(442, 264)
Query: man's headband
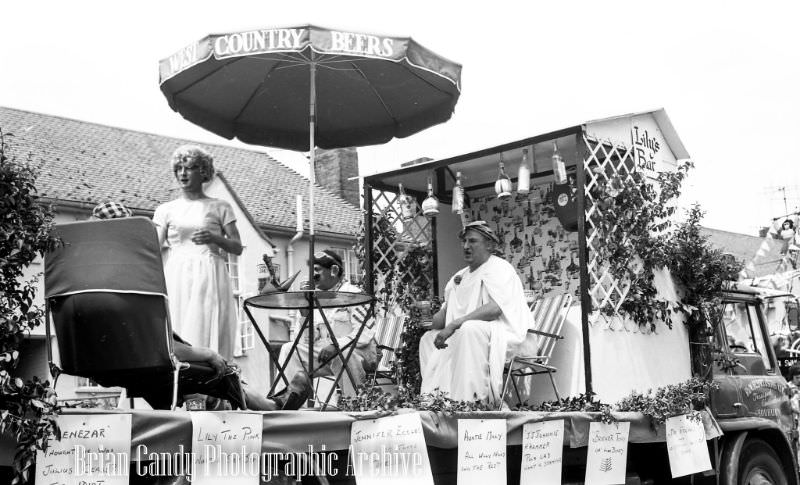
point(481, 227)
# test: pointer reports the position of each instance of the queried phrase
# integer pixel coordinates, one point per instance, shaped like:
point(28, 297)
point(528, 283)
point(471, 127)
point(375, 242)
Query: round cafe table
point(309, 300)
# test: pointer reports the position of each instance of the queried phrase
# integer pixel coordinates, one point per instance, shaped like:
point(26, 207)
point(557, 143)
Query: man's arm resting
point(437, 321)
point(488, 312)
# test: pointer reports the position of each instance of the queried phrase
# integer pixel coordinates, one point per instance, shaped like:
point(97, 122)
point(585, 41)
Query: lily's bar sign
point(289, 40)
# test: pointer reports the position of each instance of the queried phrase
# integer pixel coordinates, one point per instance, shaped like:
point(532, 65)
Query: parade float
point(629, 392)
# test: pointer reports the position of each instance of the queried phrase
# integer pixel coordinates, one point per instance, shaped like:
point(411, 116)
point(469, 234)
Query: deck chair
point(549, 314)
point(105, 290)
point(387, 334)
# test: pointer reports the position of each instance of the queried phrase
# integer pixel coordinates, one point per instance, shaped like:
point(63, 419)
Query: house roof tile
point(92, 163)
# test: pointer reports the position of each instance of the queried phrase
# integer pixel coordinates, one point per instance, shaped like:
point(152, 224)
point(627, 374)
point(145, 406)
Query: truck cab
point(752, 403)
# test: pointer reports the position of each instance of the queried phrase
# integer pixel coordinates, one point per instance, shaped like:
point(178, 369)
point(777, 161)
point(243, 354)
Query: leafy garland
point(658, 405)
point(703, 272)
point(401, 284)
point(635, 237)
point(27, 409)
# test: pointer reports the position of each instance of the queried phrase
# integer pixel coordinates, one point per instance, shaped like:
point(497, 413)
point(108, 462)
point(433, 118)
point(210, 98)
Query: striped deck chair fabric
point(387, 335)
point(549, 314)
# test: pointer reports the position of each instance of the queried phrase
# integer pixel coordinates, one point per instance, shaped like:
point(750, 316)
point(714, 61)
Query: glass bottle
point(559, 169)
point(430, 206)
point(502, 186)
point(458, 195)
point(406, 209)
point(524, 174)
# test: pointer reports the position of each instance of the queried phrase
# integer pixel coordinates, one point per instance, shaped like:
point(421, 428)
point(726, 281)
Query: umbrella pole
point(312, 113)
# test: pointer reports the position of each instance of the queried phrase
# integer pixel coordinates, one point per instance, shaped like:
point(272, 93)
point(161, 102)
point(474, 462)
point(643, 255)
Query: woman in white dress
point(197, 229)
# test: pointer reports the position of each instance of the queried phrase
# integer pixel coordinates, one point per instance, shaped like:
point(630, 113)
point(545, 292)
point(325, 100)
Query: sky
point(727, 73)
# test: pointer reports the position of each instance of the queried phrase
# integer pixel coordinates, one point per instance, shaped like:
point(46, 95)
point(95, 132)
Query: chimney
point(333, 170)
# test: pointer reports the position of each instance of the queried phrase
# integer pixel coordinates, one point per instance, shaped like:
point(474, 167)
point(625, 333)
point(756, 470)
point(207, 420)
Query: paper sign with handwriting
point(225, 448)
point(481, 451)
point(93, 449)
point(686, 445)
point(607, 453)
point(390, 450)
point(542, 447)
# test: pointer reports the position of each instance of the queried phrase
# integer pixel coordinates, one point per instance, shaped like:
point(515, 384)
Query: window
point(232, 265)
point(743, 330)
point(245, 327)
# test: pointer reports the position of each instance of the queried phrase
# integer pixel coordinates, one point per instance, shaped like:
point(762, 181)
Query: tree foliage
point(27, 409)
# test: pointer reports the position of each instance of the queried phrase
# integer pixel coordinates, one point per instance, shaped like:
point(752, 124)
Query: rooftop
point(91, 163)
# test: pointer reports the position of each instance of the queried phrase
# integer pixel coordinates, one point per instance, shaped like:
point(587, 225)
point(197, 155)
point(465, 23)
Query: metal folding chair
point(549, 314)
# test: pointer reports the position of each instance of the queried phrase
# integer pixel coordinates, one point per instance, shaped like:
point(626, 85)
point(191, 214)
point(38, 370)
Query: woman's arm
point(231, 243)
point(162, 235)
point(229, 239)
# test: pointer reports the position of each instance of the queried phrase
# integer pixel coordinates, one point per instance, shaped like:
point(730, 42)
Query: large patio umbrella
point(305, 87)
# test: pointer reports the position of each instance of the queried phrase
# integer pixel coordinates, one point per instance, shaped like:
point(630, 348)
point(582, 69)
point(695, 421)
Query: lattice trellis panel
point(393, 235)
point(603, 162)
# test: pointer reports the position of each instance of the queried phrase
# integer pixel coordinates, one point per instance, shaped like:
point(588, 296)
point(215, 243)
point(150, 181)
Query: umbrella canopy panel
point(255, 86)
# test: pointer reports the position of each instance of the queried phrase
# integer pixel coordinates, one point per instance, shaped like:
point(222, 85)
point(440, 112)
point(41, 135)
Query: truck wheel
point(760, 465)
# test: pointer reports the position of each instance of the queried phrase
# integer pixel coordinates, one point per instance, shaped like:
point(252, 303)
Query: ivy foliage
point(27, 409)
point(658, 405)
point(400, 281)
point(632, 218)
point(703, 272)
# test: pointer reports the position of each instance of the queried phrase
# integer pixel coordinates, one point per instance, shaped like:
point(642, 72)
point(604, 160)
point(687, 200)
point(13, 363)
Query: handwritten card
point(482, 451)
point(225, 448)
point(686, 446)
point(390, 450)
point(542, 448)
point(607, 453)
point(93, 449)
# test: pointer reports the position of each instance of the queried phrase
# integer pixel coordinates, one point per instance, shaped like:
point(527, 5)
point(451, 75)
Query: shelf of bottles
point(398, 226)
point(602, 162)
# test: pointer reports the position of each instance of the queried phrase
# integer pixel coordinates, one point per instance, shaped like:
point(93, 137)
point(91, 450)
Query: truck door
point(746, 369)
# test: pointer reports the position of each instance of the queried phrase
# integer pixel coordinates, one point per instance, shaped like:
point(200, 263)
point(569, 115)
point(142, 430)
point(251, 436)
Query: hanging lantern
point(406, 204)
point(430, 206)
point(524, 174)
point(458, 196)
point(503, 186)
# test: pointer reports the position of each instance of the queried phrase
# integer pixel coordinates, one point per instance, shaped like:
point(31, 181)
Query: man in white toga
point(483, 321)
